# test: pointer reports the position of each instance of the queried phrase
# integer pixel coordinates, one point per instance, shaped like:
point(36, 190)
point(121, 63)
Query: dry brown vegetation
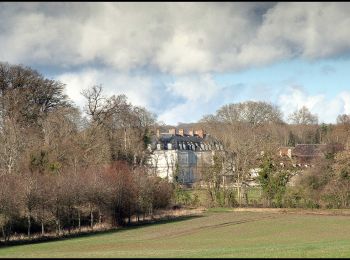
point(60, 170)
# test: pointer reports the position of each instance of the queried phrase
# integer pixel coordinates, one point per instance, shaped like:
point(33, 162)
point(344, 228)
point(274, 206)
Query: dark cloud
point(129, 47)
point(177, 38)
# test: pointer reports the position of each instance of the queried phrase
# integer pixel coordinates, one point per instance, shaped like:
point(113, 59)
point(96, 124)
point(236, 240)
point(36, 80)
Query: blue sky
point(327, 77)
point(185, 60)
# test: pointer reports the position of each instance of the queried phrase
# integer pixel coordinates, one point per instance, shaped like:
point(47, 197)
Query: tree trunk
point(99, 216)
point(91, 219)
point(79, 221)
point(57, 227)
point(238, 193)
point(125, 139)
point(3, 233)
point(69, 220)
point(42, 228)
point(151, 212)
point(42, 220)
point(6, 233)
point(29, 224)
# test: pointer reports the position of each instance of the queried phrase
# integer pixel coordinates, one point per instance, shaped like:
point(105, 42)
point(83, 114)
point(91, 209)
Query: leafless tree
point(252, 112)
point(343, 119)
point(303, 116)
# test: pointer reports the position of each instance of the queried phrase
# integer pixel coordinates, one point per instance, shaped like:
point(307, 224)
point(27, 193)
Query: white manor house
point(183, 153)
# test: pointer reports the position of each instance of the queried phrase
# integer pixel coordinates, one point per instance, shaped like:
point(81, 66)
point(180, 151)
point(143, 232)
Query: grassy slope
point(214, 234)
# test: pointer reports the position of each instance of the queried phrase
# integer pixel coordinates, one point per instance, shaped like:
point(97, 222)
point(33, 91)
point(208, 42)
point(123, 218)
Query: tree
point(303, 116)
point(26, 96)
point(343, 119)
point(273, 181)
point(212, 177)
point(291, 139)
point(30, 198)
point(11, 148)
point(101, 108)
point(245, 144)
point(126, 127)
point(253, 112)
point(10, 204)
point(337, 190)
point(312, 182)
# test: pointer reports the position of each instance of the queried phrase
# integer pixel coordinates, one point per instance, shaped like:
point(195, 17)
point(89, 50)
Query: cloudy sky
point(185, 60)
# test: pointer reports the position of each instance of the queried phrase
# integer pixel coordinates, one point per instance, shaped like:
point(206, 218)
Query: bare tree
point(10, 204)
point(253, 112)
point(101, 108)
point(343, 119)
point(303, 116)
point(12, 146)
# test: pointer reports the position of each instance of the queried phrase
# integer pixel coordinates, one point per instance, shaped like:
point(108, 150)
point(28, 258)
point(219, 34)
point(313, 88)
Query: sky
point(185, 60)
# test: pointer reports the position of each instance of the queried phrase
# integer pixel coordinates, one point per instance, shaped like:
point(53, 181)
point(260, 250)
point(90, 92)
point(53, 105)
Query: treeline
point(69, 200)
point(62, 169)
point(251, 133)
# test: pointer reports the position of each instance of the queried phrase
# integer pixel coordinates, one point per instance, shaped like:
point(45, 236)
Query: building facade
point(182, 156)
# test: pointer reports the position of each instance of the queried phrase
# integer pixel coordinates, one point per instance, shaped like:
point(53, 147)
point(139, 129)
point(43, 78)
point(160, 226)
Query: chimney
point(190, 132)
point(181, 132)
point(172, 131)
point(200, 133)
point(158, 133)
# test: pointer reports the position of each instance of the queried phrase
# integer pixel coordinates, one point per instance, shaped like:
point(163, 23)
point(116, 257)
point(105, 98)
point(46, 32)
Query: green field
point(216, 233)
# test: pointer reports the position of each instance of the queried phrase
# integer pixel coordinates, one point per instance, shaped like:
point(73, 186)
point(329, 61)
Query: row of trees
point(251, 133)
point(53, 202)
point(60, 168)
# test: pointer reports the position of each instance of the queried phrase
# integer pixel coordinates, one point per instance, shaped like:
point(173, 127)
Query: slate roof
point(308, 150)
point(315, 150)
point(187, 140)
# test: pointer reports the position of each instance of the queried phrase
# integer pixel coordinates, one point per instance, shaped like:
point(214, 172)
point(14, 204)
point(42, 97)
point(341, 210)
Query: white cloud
point(201, 95)
point(345, 97)
point(138, 89)
point(194, 88)
point(189, 41)
point(177, 38)
point(186, 99)
point(327, 109)
point(75, 83)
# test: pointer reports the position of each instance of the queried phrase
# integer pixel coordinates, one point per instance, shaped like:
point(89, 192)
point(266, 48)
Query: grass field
point(217, 233)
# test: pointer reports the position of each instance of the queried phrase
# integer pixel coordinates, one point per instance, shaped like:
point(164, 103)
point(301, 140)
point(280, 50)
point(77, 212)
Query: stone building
point(181, 155)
